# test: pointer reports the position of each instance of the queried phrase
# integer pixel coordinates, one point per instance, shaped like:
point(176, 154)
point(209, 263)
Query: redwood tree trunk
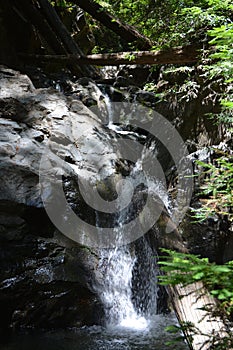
point(59, 28)
point(51, 28)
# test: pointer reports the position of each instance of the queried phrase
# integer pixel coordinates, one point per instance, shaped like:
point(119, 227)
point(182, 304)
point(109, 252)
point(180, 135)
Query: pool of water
point(150, 337)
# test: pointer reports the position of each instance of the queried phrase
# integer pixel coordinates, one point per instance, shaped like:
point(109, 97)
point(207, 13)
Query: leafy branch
point(217, 189)
point(186, 269)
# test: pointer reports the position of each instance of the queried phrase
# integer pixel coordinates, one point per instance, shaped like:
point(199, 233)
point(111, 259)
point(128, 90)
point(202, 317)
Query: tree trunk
point(125, 31)
point(34, 17)
point(173, 56)
point(63, 34)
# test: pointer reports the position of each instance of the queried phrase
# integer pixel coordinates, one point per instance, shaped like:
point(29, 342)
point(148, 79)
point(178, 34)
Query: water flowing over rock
point(46, 280)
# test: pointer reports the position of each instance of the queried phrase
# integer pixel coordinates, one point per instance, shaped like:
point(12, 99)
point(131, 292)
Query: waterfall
point(117, 266)
point(109, 110)
point(128, 287)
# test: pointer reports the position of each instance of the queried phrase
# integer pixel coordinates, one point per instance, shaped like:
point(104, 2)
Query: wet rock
point(210, 237)
point(11, 227)
point(14, 83)
point(46, 279)
point(46, 285)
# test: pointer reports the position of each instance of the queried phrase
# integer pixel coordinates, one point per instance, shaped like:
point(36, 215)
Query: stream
point(152, 337)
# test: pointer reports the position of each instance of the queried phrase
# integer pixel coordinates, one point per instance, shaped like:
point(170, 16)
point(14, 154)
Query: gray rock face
point(46, 279)
point(29, 118)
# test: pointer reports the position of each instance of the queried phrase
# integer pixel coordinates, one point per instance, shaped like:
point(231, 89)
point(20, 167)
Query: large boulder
point(46, 279)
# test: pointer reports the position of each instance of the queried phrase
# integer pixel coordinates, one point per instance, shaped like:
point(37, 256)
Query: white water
point(117, 267)
point(109, 110)
point(128, 288)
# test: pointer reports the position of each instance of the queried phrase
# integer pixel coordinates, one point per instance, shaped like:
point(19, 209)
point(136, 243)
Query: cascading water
point(118, 267)
point(108, 104)
point(129, 290)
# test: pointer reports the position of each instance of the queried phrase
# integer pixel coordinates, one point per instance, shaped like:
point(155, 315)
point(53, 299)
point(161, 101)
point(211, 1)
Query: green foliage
point(214, 341)
point(186, 269)
point(223, 41)
point(187, 328)
point(218, 184)
point(129, 56)
point(62, 4)
point(171, 23)
point(217, 189)
point(151, 87)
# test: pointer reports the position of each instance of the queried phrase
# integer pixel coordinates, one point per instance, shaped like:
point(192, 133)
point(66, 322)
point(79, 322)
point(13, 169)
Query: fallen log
point(192, 304)
point(178, 55)
point(125, 31)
